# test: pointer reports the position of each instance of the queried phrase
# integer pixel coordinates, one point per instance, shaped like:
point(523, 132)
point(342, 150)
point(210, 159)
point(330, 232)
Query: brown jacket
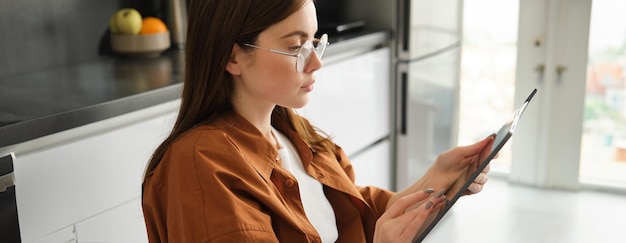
point(222, 183)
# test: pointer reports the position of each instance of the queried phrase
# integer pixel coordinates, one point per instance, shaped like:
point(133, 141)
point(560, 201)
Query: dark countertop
point(44, 102)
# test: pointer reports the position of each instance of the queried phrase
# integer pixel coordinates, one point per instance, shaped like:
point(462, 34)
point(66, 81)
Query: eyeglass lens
point(304, 55)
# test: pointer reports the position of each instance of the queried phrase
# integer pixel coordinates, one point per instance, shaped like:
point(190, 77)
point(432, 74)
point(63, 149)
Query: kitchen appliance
point(9, 223)
point(177, 21)
point(341, 27)
point(427, 84)
point(333, 18)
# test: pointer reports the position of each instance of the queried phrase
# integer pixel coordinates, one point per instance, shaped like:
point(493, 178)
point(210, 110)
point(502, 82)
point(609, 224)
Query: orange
point(152, 25)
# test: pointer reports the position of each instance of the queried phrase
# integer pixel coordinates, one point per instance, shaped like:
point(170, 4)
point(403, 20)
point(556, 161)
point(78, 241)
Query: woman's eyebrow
point(298, 33)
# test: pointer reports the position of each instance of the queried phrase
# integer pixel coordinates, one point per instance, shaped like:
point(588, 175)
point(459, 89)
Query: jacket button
point(290, 182)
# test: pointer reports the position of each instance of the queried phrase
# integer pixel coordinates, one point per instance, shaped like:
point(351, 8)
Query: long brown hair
point(214, 26)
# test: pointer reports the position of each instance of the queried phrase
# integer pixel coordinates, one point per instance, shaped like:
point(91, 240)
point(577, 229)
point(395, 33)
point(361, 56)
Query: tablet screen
point(457, 190)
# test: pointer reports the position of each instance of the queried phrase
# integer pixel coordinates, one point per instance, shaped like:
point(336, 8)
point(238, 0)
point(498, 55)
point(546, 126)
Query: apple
point(112, 25)
point(126, 21)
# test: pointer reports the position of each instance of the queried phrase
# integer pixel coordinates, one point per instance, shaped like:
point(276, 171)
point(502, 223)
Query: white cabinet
point(65, 235)
point(351, 100)
point(87, 171)
point(123, 224)
point(372, 166)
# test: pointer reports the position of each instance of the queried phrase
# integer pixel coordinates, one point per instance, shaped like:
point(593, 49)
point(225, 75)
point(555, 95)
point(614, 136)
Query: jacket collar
point(258, 151)
point(262, 156)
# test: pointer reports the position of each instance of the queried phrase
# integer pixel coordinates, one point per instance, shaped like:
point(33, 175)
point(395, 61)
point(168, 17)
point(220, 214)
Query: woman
point(241, 166)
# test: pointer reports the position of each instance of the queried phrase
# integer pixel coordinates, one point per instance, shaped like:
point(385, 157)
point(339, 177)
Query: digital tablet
point(503, 135)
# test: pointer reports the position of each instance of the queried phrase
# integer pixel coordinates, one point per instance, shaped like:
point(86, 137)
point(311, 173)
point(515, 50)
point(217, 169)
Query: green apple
point(126, 21)
point(112, 25)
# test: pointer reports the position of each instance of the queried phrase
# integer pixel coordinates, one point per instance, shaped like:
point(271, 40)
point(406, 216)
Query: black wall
point(41, 34)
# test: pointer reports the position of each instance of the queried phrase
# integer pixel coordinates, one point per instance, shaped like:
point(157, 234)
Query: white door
point(572, 51)
point(552, 56)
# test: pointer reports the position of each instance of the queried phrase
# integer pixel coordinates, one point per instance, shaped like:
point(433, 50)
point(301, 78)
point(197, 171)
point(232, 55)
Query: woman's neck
point(260, 117)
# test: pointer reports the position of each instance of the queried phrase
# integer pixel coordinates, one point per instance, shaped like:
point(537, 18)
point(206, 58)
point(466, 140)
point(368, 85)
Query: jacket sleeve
point(375, 197)
point(191, 197)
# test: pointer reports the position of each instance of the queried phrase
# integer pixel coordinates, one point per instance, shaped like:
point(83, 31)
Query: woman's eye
point(295, 48)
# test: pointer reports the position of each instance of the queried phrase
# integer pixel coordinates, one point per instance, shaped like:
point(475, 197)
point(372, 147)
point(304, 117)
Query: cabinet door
point(68, 182)
point(428, 103)
point(65, 235)
point(351, 100)
point(373, 167)
point(122, 224)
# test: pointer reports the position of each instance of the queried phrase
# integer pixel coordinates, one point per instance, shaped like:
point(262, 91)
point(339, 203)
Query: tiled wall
point(41, 34)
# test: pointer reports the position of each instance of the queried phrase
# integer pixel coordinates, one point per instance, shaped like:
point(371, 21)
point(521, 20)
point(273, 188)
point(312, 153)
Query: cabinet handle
point(559, 74)
point(404, 89)
point(540, 70)
point(404, 20)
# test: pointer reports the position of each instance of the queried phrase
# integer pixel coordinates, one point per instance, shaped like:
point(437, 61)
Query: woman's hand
point(479, 182)
point(398, 224)
point(451, 169)
point(457, 164)
point(462, 158)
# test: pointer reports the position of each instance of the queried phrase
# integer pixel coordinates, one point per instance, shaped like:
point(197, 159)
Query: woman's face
point(267, 78)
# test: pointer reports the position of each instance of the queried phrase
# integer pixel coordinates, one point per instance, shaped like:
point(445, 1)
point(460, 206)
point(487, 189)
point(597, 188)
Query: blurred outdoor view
point(603, 153)
point(488, 59)
point(488, 81)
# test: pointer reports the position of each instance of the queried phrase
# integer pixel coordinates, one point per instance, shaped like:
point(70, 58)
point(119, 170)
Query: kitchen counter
point(45, 102)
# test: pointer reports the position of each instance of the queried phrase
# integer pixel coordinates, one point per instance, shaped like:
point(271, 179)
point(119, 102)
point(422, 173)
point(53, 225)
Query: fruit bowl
point(148, 45)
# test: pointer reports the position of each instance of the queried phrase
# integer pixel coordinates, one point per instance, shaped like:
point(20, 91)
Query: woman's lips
point(308, 87)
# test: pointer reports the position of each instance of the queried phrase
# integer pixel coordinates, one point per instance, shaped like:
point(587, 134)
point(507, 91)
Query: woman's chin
point(298, 104)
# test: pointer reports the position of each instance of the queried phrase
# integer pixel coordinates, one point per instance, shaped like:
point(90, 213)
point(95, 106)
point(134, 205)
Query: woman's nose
point(313, 63)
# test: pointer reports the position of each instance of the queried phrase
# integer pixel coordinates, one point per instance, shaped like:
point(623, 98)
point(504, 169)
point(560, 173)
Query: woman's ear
point(234, 61)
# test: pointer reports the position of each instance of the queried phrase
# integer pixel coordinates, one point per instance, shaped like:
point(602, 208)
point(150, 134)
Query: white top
point(316, 206)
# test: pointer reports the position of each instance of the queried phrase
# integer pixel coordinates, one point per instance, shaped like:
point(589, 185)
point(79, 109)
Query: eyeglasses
point(304, 53)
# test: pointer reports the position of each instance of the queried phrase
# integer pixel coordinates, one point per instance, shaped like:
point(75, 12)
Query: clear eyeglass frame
point(303, 55)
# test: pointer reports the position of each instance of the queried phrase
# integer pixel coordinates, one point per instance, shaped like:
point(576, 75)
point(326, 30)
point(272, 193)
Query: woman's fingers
point(398, 224)
point(486, 147)
point(487, 168)
point(399, 206)
point(461, 157)
point(478, 183)
point(424, 214)
point(481, 178)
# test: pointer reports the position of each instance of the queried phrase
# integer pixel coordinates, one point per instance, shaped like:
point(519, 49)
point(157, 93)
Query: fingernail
point(492, 135)
point(429, 191)
point(440, 193)
point(429, 204)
